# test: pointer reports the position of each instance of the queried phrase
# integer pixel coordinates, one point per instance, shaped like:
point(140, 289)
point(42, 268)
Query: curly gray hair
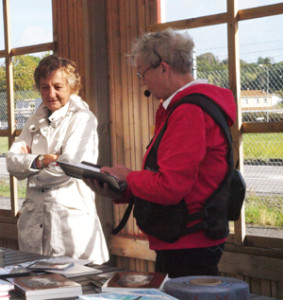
point(170, 46)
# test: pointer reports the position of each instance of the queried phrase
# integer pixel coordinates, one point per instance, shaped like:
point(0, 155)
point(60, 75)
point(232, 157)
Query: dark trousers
point(189, 262)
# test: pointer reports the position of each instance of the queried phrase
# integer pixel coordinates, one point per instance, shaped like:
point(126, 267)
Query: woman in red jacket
point(192, 154)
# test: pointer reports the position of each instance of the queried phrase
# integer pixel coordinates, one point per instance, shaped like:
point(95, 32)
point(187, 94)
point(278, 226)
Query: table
point(14, 257)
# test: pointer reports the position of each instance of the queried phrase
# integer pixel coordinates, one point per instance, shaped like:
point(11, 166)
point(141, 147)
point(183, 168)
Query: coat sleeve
point(80, 143)
point(180, 152)
point(18, 162)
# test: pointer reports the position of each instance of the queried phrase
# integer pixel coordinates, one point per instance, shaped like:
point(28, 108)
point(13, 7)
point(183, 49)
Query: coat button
point(40, 225)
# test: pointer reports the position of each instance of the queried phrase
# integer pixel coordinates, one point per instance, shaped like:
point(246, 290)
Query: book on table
point(125, 281)
point(45, 265)
point(47, 286)
point(76, 270)
point(5, 288)
point(66, 266)
point(14, 271)
point(88, 170)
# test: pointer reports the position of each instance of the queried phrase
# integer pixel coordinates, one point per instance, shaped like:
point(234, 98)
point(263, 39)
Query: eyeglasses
point(141, 75)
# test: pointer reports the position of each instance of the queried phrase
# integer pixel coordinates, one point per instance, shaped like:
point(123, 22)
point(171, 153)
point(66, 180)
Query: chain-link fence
point(26, 102)
point(261, 101)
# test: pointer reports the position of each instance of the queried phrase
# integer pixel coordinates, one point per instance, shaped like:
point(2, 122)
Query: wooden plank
point(130, 247)
point(116, 126)
point(33, 49)
point(264, 242)
point(191, 23)
point(255, 250)
point(244, 14)
point(234, 85)
point(265, 287)
point(262, 127)
point(260, 12)
point(8, 231)
point(258, 267)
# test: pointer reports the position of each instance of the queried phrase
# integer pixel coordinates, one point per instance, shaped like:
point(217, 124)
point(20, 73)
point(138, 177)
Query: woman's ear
point(164, 67)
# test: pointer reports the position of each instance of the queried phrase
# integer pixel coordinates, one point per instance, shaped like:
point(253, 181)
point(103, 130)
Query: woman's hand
point(102, 189)
point(120, 172)
point(47, 160)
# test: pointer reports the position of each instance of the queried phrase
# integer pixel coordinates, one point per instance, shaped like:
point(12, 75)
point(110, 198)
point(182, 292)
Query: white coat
point(59, 215)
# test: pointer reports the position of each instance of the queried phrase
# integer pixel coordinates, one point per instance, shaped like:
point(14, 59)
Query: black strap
point(124, 219)
point(210, 107)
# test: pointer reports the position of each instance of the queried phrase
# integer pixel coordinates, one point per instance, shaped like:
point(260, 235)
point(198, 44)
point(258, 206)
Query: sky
point(258, 37)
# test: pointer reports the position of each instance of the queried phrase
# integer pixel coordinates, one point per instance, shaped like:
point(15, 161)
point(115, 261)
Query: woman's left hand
point(102, 189)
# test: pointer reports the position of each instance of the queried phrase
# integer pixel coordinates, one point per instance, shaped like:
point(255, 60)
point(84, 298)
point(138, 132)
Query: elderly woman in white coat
point(59, 215)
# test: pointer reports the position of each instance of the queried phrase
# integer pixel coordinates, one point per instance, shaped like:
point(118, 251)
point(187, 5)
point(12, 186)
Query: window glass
point(3, 96)
point(261, 54)
point(27, 98)
point(34, 29)
point(5, 193)
point(172, 10)
point(1, 28)
point(263, 161)
point(211, 56)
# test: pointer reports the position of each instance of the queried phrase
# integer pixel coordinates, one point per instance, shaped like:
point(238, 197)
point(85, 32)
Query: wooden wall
point(131, 113)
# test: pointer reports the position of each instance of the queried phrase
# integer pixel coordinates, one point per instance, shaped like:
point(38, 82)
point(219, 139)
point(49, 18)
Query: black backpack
point(169, 222)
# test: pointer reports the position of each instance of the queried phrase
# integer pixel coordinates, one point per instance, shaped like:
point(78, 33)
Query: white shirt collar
point(197, 81)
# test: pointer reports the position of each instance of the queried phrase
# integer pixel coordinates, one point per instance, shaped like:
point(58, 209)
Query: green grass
point(259, 210)
point(5, 189)
point(263, 146)
point(3, 145)
point(266, 211)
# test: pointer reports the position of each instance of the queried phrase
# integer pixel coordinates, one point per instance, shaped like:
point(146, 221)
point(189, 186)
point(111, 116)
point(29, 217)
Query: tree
point(23, 68)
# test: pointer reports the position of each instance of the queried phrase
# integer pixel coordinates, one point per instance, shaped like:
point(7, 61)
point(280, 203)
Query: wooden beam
point(191, 23)
point(130, 247)
point(260, 267)
point(262, 127)
point(8, 231)
point(244, 14)
point(260, 12)
point(33, 49)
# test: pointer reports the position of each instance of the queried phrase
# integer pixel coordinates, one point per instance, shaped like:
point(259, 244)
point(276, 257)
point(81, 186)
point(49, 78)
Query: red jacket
point(191, 158)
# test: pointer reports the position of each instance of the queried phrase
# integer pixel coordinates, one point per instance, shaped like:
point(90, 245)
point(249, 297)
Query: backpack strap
point(210, 107)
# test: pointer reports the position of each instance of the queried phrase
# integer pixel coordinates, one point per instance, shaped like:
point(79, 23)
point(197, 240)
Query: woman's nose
point(52, 92)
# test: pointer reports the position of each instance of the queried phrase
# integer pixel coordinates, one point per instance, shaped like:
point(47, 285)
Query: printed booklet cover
point(133, 280)
point(47, 286)
point(88, 170)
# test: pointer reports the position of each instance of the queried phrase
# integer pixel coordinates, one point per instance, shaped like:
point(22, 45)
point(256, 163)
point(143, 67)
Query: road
point(263, 179)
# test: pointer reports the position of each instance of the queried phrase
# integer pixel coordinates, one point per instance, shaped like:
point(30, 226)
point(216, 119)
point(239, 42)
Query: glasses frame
point(141, 74)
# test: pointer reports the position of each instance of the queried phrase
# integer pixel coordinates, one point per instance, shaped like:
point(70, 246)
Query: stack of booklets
point(132, 285)
point(5, 288)
point(64, 266)
point(47, 286)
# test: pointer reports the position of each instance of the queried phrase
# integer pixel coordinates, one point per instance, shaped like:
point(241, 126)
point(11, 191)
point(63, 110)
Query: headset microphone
point(147, 93)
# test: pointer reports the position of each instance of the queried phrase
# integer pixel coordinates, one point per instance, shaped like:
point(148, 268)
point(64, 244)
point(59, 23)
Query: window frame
point(11, 133)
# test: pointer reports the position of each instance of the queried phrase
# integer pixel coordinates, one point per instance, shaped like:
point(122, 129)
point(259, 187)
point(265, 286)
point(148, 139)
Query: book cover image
point(47, 284)
point(135, 280)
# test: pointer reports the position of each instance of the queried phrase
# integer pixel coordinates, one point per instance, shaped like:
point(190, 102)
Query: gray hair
point(168, 45)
